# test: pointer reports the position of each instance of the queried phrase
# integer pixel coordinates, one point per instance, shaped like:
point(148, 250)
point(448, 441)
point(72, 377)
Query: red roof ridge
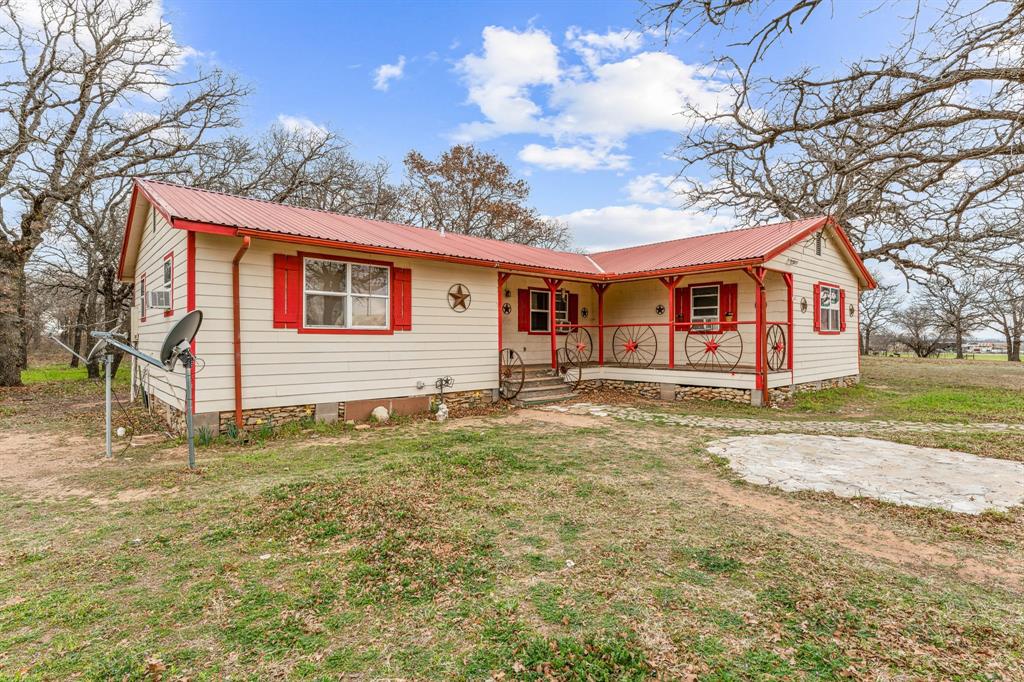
point(710, 234)
point(345, 215)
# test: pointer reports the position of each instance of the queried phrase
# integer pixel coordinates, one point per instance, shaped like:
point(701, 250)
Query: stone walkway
point(775, 425)
point(866, 467)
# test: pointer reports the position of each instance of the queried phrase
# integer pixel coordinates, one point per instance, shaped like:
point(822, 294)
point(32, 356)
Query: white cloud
point(521, 85)
point(594, 48)
point(576, 158)
point(385, 73)
point(651, 189)
point(500, 79)
point(613, 227)
point(300, 124)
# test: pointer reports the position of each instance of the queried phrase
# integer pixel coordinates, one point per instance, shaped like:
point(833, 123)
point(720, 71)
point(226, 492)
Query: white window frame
point(695, 318)
point(561, 316)
point(825, 316)
point(347, 295)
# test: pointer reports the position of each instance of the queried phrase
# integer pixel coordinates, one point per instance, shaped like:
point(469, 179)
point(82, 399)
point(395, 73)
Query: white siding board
point(159, 238)
point(821, 356)
point(285, 367)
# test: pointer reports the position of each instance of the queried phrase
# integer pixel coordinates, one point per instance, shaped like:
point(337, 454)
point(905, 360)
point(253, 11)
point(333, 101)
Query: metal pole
point(108, 361)
point(187, 363)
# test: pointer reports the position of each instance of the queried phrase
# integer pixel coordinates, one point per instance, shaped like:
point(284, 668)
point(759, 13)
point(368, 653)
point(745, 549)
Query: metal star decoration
point(459, 298)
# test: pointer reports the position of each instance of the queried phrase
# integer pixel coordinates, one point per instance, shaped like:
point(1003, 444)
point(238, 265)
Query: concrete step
point(543, 400)
point(543, 391)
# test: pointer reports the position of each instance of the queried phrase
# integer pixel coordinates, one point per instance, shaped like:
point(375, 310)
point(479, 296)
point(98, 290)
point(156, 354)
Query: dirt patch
point(38, 465)
point(805, 520)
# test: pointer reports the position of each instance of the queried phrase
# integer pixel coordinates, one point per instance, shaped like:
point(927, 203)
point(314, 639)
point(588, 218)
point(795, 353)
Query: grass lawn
point(503, 547)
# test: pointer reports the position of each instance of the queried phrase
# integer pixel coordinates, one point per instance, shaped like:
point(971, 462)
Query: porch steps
point(541, 387)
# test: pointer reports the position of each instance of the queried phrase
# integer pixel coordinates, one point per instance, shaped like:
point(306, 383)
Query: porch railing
point(708, 346)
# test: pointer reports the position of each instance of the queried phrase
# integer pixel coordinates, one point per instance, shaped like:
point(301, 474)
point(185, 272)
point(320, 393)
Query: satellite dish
point(181, 333)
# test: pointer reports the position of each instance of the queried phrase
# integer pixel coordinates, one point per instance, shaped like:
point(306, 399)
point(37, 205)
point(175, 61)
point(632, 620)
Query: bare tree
point(302, 167)
point(92, 90)
point(918, 331)
point(918, 153)
point(956, 303)
point(878, 309)
point(467, 191)
point(1003, 305)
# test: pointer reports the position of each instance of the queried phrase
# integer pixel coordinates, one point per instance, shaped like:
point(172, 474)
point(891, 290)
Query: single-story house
point(308, 312)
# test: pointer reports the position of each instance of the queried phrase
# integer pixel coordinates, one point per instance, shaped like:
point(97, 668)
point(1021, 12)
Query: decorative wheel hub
point(634, 346)
point(581, 347)
point(711, 347)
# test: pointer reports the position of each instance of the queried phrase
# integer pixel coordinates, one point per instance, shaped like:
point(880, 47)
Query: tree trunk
point(12, 270)
point(1013, 350)
point(959, 345)
point(22, 318)
point(76, 331)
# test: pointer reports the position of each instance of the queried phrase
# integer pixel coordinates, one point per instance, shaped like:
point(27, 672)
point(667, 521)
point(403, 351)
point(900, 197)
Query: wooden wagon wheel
point(570, 367)
point(776, 347)
point(511, 373)
point(580, 342)
point(634, 346)
point(714, 351)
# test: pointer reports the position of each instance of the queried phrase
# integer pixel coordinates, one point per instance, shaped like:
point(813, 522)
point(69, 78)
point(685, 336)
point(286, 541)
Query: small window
point(830, 309)
point(168, 272)
point(345, 295)
point(704, 302)
point(540, 310)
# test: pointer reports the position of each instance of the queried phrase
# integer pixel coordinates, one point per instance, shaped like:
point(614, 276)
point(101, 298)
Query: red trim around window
point(706, 326)
point(303, 329)
point(817, 307)
point(169, 256)
point(529, 310)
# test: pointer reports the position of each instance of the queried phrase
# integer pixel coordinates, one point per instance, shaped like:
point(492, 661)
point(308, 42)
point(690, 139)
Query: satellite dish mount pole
point(187, 361)
point(108, 363)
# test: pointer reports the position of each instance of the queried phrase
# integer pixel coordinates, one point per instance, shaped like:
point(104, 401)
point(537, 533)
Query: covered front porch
point(728, 328)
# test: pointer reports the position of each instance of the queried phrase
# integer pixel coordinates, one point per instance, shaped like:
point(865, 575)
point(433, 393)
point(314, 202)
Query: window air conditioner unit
point(159, 299)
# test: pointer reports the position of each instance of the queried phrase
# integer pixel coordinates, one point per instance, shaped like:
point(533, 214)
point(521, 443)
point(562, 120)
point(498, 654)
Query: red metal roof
point(192, 208)
point(721, 247)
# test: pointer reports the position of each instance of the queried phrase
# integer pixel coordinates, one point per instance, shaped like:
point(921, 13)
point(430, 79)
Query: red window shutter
point(401, 300)
point(842, 310)
point(728, 305)
point(817, 307)
point(524, 310)
point(574, 308)
point(683, 305)
point(287, 291)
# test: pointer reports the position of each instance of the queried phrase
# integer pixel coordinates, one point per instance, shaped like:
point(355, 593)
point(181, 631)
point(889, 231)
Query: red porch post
point(553, 285)
point(502, 278)
point(600, 289)
point(670, 284)
point(761, 363)
point(788, 278)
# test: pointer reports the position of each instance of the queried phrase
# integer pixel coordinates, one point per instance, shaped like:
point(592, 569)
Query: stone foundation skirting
point(743, 396)
point(643, 389)
point(466, 399)
point(273, 416)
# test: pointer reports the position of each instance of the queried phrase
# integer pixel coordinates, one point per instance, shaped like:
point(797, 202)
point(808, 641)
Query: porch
point(727, 328)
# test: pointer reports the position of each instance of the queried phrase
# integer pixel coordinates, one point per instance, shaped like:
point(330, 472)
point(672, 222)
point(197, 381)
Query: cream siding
point(821, 356)
point(535, 349)
point(285, 367)
point(159, 239)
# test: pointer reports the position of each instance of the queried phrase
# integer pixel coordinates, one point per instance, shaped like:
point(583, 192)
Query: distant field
point(990, 357)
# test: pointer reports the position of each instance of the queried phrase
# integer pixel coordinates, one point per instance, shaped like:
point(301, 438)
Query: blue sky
point(573, 96)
